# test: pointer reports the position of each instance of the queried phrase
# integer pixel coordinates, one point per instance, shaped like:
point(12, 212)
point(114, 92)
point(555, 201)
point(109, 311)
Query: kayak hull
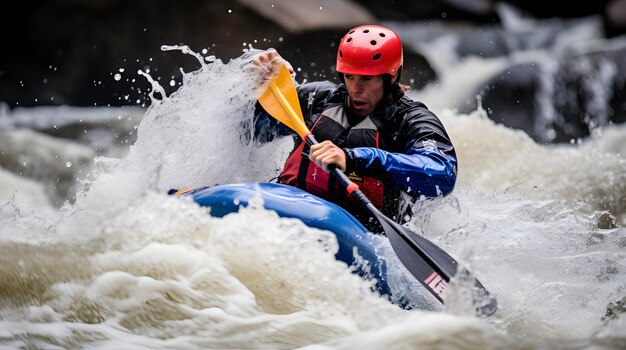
point(354, 240)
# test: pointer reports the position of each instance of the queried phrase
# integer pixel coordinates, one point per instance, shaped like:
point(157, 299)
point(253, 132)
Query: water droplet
point(172, 82)
point(68, 164)
point(117, 77)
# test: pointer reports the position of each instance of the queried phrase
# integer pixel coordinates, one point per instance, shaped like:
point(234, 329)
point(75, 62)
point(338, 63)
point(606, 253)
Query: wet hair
point(398, 90)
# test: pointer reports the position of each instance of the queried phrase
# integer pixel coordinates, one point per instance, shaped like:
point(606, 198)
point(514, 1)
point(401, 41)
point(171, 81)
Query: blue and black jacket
point(403, 145)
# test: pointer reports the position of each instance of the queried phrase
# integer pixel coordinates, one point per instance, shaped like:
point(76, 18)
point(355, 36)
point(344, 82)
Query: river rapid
point(94, 254)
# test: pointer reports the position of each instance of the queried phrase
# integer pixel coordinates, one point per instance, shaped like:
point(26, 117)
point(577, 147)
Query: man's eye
point(349, 76)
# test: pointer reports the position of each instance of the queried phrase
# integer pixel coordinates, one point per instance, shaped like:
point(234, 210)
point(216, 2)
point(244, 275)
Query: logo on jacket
point(429, 145)
point(311, 99)
point(354, 176)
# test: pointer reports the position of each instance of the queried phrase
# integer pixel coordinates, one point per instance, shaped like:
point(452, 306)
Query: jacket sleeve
point(266, 128)
point(425, 162)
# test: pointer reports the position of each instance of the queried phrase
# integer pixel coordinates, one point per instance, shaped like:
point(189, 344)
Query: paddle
point(432, 267)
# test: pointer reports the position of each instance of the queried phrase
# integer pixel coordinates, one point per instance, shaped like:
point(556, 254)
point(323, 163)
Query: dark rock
point(510, 99)
point(586, 90)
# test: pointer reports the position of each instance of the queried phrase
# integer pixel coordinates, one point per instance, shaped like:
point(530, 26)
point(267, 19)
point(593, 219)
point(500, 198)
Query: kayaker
point(384, 141)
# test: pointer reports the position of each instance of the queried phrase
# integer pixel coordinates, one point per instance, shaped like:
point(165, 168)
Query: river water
point(94, 254)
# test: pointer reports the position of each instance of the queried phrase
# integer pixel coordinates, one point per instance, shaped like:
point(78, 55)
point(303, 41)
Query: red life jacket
point(332, 125)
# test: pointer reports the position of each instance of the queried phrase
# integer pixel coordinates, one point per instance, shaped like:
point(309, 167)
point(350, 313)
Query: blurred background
point(87, 53)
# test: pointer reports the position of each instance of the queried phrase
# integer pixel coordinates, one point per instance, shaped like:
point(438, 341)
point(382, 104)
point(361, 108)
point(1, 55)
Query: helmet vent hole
point(373, 42)
point(340, 54)
point(366, 31)
point(349, 40)
point(376, 57)
point(352, 31)
point(382, 35)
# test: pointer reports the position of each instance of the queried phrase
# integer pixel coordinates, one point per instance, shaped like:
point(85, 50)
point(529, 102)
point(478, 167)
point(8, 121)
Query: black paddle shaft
point(390, 226)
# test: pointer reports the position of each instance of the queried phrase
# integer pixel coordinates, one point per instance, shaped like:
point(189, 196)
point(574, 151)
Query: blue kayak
point(291, 202)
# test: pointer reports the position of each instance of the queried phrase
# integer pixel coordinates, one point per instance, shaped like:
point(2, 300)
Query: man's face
point(365, 92)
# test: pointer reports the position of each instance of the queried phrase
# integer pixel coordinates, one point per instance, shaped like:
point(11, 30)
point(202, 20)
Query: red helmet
point(369, 50)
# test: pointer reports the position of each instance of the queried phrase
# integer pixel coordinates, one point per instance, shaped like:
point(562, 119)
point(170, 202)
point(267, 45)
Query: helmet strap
point(392, 89)
point(387, 85)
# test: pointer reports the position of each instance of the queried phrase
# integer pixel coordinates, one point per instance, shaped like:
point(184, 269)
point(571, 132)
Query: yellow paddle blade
point(280, 100)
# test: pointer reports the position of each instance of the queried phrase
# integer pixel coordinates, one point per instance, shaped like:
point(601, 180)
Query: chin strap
point(394, 90)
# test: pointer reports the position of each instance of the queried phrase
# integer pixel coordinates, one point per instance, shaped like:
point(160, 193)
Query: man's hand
point(268, 64)
point(327, 153)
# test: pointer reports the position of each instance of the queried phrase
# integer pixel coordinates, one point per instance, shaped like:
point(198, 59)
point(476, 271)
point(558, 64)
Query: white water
point(125, 266)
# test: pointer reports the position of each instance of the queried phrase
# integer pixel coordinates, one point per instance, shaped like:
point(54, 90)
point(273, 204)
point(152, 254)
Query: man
point(385, 142)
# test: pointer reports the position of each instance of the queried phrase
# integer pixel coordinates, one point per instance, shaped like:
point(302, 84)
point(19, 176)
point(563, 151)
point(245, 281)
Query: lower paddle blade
point(431, 265)
point(485, 304)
